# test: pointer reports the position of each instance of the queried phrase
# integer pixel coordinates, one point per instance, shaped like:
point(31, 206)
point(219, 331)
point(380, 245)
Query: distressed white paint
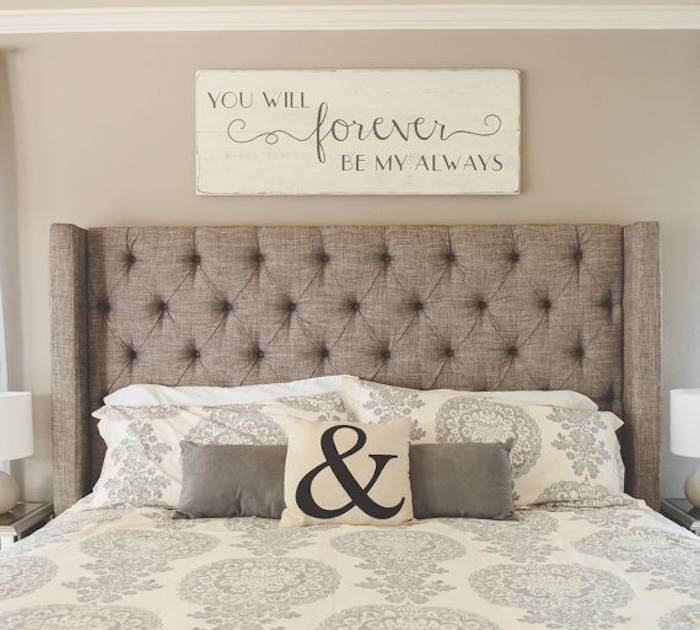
point(358, 132)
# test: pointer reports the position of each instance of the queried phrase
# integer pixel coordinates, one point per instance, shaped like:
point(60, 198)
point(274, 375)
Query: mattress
point(133, 568)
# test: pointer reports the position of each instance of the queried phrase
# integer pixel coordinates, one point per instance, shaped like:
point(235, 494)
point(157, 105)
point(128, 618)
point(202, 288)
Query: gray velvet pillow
point(223, 480)
point(462, 479)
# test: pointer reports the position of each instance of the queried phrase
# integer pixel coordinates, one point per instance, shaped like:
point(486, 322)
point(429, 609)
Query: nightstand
point(683, 513)
point(22, 520)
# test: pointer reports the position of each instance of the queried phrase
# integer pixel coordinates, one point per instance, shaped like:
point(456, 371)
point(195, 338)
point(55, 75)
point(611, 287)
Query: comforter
point(618, 567)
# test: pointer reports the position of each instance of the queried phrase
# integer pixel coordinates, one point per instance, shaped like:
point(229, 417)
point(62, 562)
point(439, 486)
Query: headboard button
point(449, 353)
point(481, 304)
point(196, 259)
point(386, 354)
point(418, 305)
point(132, 355)
point(258, 353)
point(546, 304)
point(450, 257)
point(514, 256)
point(323, 258)
point(386, 258)
point(103, 307)
point(354, 305)
point(226, 306)
point(512, 351)
point(291, 307)
point(194, 354)
point(325, 352)
point(578, 255)
point(258, 256)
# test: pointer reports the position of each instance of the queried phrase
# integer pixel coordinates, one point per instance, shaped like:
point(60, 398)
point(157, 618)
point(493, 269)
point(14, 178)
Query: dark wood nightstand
point(683, 513)
point(22, 520)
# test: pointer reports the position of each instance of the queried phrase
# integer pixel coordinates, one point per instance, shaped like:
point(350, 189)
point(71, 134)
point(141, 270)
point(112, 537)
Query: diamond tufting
point(225, 298)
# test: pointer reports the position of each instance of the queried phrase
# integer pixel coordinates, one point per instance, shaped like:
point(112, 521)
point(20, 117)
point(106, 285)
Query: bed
point(535, 345)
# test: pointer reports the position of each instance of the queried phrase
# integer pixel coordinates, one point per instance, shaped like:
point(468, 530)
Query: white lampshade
point(685, 422)
point(16, 429)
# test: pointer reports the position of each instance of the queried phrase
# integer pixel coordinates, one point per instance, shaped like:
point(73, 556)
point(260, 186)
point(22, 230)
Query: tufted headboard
point(471, 306)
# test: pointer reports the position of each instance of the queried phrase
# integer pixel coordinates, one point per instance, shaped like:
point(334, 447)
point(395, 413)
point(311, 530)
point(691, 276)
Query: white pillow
point(146, 394)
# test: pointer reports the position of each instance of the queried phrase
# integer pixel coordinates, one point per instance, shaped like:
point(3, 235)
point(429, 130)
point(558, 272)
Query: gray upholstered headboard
point(473, 306)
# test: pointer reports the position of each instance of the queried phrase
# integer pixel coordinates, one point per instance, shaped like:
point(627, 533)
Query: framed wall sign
point(405, 132)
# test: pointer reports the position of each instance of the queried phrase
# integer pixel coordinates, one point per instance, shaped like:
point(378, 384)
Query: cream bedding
point(618, 567)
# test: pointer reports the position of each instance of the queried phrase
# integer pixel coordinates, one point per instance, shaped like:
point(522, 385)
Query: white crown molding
point(361, 17)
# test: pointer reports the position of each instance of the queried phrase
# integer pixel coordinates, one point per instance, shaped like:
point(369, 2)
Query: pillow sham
point(225, 480)
point(562, 456)
point(142, 462)
point(150, 394)
point(347, 473)
point(467, 479)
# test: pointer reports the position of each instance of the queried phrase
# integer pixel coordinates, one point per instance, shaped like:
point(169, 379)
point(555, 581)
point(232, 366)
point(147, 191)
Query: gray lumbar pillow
point(467, 479)
point(223, 480)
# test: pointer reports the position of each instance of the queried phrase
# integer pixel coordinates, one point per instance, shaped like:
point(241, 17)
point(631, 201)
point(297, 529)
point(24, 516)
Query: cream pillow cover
point(347, 473)
point(560, 456)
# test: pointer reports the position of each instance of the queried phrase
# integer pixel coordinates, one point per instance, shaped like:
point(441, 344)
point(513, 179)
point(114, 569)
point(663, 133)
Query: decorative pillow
point(142, 462)
point(462, 479)
point(147, 394)
point(224, 480)
point(560, 456)
point(347, 473)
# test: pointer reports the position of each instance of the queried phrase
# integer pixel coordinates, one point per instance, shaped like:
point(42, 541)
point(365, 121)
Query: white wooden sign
point(401, 132)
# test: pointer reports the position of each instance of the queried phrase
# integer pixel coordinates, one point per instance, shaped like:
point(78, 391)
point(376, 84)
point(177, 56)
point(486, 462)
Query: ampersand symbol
point(358, 495)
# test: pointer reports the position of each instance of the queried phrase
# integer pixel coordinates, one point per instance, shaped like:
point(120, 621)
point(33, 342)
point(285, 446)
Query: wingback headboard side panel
point(473, 307)
point(69, 364)
point(642, 360)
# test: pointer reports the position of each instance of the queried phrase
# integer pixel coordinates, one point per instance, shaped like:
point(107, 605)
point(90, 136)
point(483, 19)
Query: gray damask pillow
point(560, 456)
point(142, 463)
point(225, 480)
point(466, 479)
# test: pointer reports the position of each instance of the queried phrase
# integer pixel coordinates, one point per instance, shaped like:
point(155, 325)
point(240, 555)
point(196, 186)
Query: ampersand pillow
point(347, 473)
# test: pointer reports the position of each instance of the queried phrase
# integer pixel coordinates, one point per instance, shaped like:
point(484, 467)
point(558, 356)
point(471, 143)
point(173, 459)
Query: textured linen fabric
point(466, 479)
point(611, 568)
point(224, 480)
point(376, 488)
point(480, 307)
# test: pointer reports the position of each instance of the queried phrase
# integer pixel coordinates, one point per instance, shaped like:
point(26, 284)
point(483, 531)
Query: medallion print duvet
point(617, 567)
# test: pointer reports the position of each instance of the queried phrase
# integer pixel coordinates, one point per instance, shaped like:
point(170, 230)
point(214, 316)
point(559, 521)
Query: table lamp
point(685, 435)
point(16, 440)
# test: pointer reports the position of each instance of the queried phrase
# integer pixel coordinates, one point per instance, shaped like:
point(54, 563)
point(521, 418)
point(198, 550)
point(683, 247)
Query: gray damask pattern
point(328, 407)
point(524, 540)
point(69, 617)
point(467, 419)
point(251, 594)
point(558, 596)
point(237, 424)
point(686, 618)
point(386, 402)
point(264, 537)
point(580, 439)
point(22, 575)
point(673, 562)
point(129, 561)
point(562, 493)
point(405, 618)
point(403, 561)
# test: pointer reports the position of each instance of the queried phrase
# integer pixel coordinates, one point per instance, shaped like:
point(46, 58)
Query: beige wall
point(104, 135)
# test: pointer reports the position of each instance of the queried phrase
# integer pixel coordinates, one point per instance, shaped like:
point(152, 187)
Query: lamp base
point(692, 488)
point(9, 492)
